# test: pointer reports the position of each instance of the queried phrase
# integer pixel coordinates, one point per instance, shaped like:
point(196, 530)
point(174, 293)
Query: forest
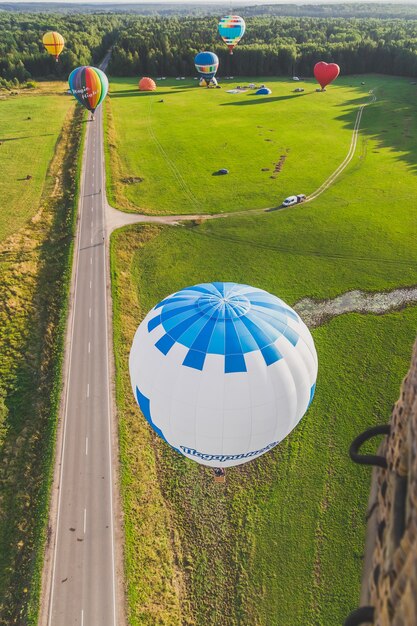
point(155, 45)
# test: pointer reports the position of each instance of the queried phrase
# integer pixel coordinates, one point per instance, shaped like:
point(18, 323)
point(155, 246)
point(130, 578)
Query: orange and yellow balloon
point(53, 43)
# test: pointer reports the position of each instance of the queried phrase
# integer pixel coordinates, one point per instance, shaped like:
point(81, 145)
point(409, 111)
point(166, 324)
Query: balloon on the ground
point(326, 73)
point(263, 91)
point(89, 85)
point(206, 64)
point(147, 84)
point(53, 43)
point(223, 372)
point(202, 82)
point(231, 30)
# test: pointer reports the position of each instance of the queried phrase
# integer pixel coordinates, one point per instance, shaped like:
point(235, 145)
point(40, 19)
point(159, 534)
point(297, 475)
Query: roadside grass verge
point(282, 543)
point(35, 273)
point(29, 126)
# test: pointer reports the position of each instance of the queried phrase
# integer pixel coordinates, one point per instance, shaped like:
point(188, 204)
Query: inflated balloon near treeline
point(206, 63)
point(223, 372)
point(231, 30)
point(326, 73)
point(147, 84)
point(53, 43)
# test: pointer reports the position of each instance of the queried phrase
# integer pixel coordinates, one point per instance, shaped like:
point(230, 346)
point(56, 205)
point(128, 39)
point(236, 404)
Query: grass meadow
point(36, 235)
point(282, 544)
point(30, 125)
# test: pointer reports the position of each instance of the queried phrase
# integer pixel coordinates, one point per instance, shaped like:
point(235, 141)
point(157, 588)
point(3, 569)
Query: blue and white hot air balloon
point(223, 372)
point(206, 64)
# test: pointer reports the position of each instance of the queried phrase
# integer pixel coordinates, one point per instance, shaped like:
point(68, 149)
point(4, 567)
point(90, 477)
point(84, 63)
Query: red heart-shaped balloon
point(325, 73)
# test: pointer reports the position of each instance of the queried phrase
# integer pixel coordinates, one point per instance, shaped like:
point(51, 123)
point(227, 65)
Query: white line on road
point(82, 617)
point(85, 519)
point(89, 347)
point(91, 223)
point(89, 312)
point(86, 445)
point(91, 260)
point(91, 240)
point(90, 284)
point(88, 390)
point(109, 412)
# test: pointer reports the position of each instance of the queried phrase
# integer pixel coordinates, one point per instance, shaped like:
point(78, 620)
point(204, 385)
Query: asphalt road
point(83, 585)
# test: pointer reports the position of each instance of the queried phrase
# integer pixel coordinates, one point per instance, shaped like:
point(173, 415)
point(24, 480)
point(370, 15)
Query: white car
point(290, 201)
point(294, 200)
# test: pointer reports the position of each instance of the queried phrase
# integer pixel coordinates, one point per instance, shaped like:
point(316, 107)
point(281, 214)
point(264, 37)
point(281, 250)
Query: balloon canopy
point(223, 372)
point(231, 30)
point(263, 91)
point(326, 73)
point(53, 43)
point(147, 84)
point(206, 64)
point(89, 85)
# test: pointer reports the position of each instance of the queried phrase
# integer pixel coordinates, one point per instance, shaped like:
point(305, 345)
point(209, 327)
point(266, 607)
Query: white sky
point(240, 3)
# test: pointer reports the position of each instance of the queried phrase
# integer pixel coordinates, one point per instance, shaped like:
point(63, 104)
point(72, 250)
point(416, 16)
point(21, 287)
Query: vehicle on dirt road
point(294, 200)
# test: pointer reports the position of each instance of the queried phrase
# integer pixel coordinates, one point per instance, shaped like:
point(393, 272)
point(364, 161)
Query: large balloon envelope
point(147, 84)
point(89, 85)
point(206, 64)
point(53, 43)
point(231, 30)
point(326, 73)
point(223, 372)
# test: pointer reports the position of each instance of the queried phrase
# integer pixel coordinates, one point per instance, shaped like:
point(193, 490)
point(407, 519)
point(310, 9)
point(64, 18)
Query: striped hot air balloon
point(231, 30)
point(206, 64)
point(89, 85)
point(223, 372)
point(53, 43)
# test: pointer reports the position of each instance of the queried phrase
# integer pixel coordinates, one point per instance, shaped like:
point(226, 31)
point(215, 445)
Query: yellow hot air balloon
point(53, 43)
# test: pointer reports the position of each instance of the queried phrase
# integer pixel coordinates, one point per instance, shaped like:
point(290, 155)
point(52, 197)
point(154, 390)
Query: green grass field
point(176, 145)
point(283, 544)
point(36, 237)
point(30, 125)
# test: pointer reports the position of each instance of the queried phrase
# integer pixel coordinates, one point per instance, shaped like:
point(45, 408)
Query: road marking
point(90, 284)
point(86, 445)
point(109, 409)
point(82, 617)
point(88, 390)
point(91, 260)
point(91, 240)
point(89, 312)
point(89, 347)
point(91, 223)
point(85, 519)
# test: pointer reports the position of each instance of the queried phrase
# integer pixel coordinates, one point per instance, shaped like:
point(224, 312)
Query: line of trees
point(166, 46)
point(271, 46)
point(22, 55)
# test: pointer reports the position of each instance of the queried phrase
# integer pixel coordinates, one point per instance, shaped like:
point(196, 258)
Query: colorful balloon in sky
point(53, 43)
point(231, 30)
point(223, 372)
point(206, 64)
point(326, 73)
point(89, 85)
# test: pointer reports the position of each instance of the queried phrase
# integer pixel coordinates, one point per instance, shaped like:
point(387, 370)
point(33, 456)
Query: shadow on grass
point(254, 99)
point(390, 121)
point(140, 94)
point(4, 139)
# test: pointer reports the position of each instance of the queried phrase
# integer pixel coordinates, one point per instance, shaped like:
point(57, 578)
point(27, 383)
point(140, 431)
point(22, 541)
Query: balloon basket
point(220, 479)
